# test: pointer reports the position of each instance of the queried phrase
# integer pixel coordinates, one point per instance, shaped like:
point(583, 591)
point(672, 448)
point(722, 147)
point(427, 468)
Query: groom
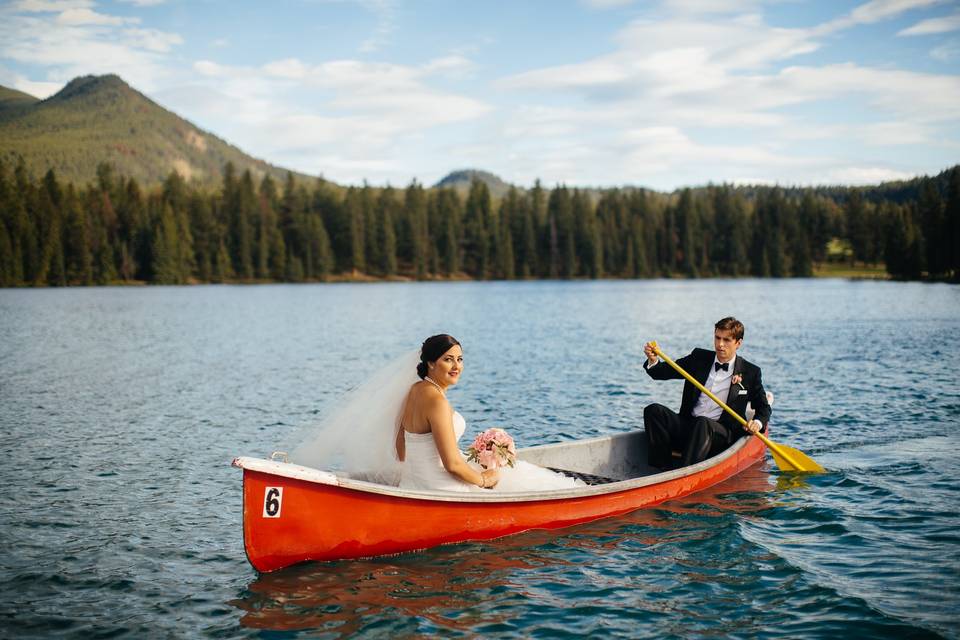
point(702, 429)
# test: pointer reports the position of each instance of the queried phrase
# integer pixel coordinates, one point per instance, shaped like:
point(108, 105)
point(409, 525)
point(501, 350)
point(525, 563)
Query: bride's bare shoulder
point(425, 405)
point(424, 392)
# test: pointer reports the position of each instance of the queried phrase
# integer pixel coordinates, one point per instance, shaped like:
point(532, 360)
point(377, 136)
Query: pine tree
point(223, 266)
point(539, 264)
point(323, 206)
point(46, 209)
point(77, 253)
point(933, 227)
point(206, 239)
point(559, 221)
point(513, 217)
point(446, 219)
point(126, 232)
point(530, 264)
point(373, 251)
point(24, 234)
point(166, 261)
point(687, 222)
point(952, 217)
point(857, 226)
point(415, 212)
point(724, 237)
point(586, 236)
point(614, 239)
point(355, 214)
point(386, 237)
point(759, 260)
point(266, 228)
point(476, 234)
point(11, 267)
point(243, 232)
point(903, 252)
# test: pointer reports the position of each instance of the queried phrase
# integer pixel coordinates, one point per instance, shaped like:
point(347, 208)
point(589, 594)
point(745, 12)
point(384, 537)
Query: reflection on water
point(348, 596)
point(442, 588)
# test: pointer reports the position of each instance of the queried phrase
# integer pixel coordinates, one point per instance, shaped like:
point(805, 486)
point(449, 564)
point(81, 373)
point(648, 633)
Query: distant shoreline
point(827, 270)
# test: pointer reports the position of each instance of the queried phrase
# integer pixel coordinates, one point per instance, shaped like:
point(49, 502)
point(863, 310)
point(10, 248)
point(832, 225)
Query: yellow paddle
point(787, 458)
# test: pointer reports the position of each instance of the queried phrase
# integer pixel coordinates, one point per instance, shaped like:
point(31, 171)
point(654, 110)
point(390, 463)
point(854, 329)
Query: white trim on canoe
point(286, 470)
point(308, 474)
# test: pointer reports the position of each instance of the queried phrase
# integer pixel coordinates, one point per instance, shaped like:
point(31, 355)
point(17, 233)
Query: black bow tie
point(725, 366)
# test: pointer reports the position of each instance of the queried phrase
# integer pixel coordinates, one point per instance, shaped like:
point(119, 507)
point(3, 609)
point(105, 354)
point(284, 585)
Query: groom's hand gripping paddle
point(787, 458)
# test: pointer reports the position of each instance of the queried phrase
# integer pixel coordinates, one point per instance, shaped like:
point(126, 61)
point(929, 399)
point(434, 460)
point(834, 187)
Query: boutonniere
point(737, 380)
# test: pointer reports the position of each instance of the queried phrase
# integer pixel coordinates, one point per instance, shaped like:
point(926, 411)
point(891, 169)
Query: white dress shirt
point(718, 382)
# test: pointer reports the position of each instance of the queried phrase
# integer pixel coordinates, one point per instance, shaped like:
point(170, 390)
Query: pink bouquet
point(492, 449)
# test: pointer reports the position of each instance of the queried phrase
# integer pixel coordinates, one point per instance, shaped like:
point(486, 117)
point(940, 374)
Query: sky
point(659, 94)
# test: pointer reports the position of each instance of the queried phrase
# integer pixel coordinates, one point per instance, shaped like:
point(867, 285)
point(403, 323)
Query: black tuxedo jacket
point(698, 364)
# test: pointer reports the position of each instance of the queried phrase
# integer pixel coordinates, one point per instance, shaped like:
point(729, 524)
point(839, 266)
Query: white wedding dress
point(422, 469)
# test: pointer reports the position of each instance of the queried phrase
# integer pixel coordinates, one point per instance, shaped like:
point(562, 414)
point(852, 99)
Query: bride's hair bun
point(434, 347)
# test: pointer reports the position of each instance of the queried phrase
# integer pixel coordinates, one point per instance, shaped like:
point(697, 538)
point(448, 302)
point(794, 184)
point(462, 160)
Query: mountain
point(460, 180)
point(13, 99)
point(98, 119)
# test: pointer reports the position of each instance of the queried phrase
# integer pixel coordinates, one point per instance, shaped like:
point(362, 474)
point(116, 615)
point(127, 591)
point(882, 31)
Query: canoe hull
point(288, 520)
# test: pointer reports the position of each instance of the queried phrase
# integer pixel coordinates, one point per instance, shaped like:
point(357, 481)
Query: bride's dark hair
point(434, 347)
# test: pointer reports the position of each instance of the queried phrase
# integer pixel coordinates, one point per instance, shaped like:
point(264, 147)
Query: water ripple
point(123, 407)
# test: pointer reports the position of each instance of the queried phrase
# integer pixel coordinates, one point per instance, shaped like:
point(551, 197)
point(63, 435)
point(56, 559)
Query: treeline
point(114, 230)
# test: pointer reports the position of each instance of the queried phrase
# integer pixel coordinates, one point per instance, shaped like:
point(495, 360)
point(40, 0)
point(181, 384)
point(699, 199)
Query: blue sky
point(584, 92)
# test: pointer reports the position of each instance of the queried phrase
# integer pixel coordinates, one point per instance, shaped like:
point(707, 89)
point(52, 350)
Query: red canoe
point(293, 514)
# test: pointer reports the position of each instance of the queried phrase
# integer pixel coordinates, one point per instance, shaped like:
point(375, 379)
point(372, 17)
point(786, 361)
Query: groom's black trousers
point(696, 438)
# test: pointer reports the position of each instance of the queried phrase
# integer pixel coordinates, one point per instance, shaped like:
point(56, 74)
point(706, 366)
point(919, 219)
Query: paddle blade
point(790, 459)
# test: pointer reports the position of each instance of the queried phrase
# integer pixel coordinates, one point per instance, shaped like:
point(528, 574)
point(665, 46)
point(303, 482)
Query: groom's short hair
point(732, 325)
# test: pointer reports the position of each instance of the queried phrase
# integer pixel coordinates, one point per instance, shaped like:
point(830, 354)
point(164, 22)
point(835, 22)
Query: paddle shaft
point(773, 446)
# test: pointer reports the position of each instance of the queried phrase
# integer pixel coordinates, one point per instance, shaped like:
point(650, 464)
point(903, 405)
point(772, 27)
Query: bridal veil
point(358, 434)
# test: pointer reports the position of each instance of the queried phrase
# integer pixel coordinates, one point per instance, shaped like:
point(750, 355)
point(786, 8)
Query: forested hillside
point(115, 230)
point(96, 119)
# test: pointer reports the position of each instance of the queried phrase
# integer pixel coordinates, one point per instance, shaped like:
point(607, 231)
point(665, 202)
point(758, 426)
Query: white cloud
point(946, 52)
point(208, 68)
point(874, 11)
point(877, 10)
point(943, 24)
point(917, 97)
point(84, 16)
point(855, 175)
point(676, 90)
point(291, 69)
point(606, 4)
point(48, 6)
point(346, 111)
point(696, 88)
point(892, 133)
point(70, 39)
point(706, 7)
point(20, 82)
point(144, 3)
point(450, 66)
point(151, 39)
point(384, 11)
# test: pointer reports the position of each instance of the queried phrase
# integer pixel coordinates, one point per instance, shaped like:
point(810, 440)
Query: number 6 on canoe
point(787, 458)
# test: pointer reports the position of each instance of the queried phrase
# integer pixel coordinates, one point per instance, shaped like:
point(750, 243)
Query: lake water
point(121, 409)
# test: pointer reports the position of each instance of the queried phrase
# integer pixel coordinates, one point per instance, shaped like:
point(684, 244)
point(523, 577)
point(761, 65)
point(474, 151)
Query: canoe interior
point(597, 461)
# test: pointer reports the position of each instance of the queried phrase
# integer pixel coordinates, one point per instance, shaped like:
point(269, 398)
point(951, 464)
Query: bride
point(429, 428)
point(399, 429)
point(429, 431)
